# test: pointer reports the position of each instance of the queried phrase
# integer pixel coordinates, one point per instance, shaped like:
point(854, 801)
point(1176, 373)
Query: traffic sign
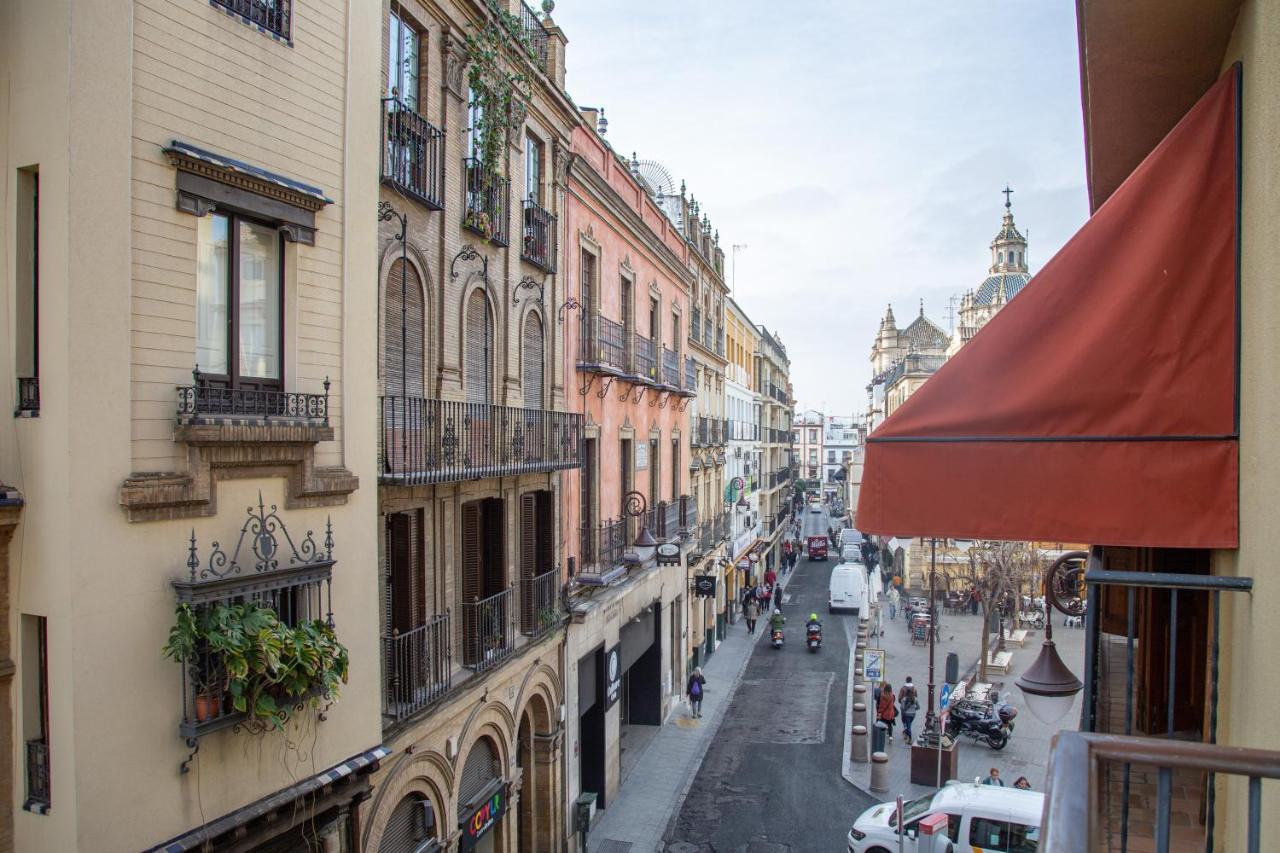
point(944, 697)
point(873, 664)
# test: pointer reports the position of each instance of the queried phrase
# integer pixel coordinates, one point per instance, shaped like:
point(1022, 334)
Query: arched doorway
point(414, 826)
point(537, 759)
point(482, 799)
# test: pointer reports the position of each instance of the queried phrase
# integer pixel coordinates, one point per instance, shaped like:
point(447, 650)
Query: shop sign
point(613, 673)
point(668, 554)
point(704, 585)
point(482, 820)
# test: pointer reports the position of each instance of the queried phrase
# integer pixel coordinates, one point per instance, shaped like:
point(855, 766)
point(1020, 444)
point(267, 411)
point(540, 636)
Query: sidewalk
point(655, 789)
point(1027, 751)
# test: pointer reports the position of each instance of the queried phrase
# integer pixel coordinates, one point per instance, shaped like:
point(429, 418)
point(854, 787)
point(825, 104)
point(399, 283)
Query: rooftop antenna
point(951, 313)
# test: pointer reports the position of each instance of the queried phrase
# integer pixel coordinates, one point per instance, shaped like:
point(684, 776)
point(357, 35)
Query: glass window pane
point(211, 294)
point(409, 65)
point(259, 302)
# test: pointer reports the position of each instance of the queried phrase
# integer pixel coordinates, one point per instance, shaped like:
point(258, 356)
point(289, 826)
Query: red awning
point(1101, 404)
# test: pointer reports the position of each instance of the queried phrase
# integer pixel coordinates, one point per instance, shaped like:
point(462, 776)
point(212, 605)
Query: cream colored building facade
point(475, 440)
point(186, 189)
point(777, 466)
point(743, 403)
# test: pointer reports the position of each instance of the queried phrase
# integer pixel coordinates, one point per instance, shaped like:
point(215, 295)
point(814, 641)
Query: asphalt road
point(771, 781)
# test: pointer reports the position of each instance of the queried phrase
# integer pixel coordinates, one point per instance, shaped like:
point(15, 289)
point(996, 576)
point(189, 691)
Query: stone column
point(547, 831)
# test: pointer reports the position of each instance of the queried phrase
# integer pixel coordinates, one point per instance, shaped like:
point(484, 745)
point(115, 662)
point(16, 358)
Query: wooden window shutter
point(403, 586)
point(492, 541)
point(404, 366)
point(471, 581)
point(533, 362)
point(546, 528)
point(478, 334)
point(528, 558)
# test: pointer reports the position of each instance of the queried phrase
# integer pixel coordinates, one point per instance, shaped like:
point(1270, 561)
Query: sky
point(858, 149)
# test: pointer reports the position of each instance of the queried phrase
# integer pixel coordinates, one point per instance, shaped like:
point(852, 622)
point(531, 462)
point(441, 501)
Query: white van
point(848, 589)
point(978, 817)
point(850, 554)
point(849, 536)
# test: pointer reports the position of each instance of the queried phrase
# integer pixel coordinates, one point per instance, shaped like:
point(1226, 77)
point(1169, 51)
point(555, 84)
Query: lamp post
point(1049, 685)
point(635, 506)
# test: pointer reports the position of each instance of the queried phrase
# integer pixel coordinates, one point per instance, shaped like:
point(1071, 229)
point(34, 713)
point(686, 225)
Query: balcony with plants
point(412, 154)
point(538, 243)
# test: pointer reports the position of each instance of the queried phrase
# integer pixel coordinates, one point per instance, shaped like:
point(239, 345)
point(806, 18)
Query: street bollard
point(858, 749)
point(857, 675)
point(859, 712)
point(879, 772)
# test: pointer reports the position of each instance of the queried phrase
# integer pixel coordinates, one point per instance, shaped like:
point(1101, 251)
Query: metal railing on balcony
point(719, 340)
point(204, 402)
point(425, 441)
point(540, 603)
point(707, 339)
point(538, 245)
point(39, 791)
point(670, 368)
point(601, 343)
point(644, 359)
point(688, 515)
point(417, 668)
point(535, 36)
point(1080, 803)
point(690, 375)
point(703, 431)
point(28, 397)
point(600, 551)
point(412, 154)
point(274, 16)
point(488, 630)
point(695, 326)
point(487, 198)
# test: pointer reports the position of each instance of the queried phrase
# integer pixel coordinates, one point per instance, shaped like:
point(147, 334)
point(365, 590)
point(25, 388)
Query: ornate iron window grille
point(273, 16)
point(267, 567)
point(205, 403)
point(28, 397)
point(412, 153)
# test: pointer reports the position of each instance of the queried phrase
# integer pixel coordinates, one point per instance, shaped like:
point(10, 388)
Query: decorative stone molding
point(455, 65)
point(238, 451)
point(560, 163)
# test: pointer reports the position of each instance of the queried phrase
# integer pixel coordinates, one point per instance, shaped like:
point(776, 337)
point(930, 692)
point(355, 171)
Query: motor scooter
point(813, 636)
point(775, 638)
point(989, 722)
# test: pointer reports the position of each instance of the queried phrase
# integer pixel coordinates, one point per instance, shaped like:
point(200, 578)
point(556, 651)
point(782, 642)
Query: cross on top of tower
point(1007, 192)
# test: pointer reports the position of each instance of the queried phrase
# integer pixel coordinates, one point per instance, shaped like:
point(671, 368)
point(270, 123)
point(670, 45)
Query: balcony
point(601, 346)
point(644, 358)
point(417, 668)
point(424, 441)
point(412, 152)
point(690, 376)
point(487, 199)
point(695, 326)
point(203, 403)
point(488, 630)
point(535, 35)
point(670, 368)
point(39, 792)
point(28, 398)
point(272, 15)
point(538, 245)
point(539, 603)
point(600, 552)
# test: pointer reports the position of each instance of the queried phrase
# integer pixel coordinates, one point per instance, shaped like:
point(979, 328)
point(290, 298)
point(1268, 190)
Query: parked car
point(847, 589)
point(817, 547)
point(977, 817)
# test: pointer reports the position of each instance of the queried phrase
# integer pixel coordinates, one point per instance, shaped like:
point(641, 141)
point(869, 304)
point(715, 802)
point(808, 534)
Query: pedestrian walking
point(1022, 784)
point(750, 612)
point(892, 595)
point(993, 778)
point(886, 711)
point(766, 596)
point(909, 704)
point(695, 688)
point(974, 598)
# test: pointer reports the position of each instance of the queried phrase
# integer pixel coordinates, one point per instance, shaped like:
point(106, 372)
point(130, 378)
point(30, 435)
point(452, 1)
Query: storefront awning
point(1101, 404)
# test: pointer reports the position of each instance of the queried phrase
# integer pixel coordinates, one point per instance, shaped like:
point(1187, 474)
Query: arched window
point(532, 359)
point(413, 822)
point(402, 332)
point(478, 346)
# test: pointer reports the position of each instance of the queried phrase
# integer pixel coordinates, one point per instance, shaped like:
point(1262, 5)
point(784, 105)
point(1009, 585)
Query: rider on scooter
point(777, 620)
point(814, 622)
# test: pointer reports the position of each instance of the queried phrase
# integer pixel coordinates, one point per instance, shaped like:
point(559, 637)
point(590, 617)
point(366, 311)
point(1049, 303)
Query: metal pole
point(930, 721)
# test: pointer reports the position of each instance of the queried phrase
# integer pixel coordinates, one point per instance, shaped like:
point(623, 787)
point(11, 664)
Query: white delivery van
point(969, 815)
point(849, 536)
point(850, 554)
point(848, 589)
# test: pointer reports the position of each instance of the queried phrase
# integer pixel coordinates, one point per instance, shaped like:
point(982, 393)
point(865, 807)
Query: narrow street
point(771, 780)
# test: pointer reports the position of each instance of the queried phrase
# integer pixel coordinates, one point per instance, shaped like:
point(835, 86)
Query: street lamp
point(1048, 685)
point(635, 506)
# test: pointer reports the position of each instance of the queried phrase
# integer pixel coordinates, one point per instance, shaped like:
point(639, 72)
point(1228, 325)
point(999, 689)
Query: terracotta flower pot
point(208, 706)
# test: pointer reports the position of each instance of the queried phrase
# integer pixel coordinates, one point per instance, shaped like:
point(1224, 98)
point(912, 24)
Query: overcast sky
point(858, 148)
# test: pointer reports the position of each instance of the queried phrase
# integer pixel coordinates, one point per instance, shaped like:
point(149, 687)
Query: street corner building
point(190, 445)
point(1135, 376)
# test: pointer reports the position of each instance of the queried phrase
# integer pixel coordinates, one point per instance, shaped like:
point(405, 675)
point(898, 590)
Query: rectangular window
point(239, 302)
point(675, 334)
point(675, 469)
point(533, 170)
point(27, 303)
point(654, 312)
point(988, 833)
point(628, 307)
point(403, 63)
point(475, 114)
point(35, 711)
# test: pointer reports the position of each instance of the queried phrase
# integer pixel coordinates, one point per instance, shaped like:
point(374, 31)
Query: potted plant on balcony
point(264, 665)
point(479, 220)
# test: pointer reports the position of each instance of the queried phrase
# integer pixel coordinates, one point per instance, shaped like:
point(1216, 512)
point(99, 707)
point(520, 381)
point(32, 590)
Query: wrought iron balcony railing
point(644, 357)
point(487, 203)
point(205, 403)
point(488, 630)
point(600, 551)
point(695, 326)
point(601, 344)
point(538, 246)
point(535, 35)
point(39, 791)
point(670, 368)
point(425, 441)
point(416, 668)
point(28, 397)
point(540, 603)
point(412, 154)
point(690, 375)
point(274, 16)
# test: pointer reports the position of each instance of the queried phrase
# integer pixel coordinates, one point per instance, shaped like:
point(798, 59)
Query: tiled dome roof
point(1009, 284)
point(924, 334)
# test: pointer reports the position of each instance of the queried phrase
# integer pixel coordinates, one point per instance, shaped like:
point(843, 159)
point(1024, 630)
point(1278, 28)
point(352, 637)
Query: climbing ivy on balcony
point(500, 89)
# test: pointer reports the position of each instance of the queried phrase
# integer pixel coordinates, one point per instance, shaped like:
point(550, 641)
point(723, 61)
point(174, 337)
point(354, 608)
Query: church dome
point(1000, 287)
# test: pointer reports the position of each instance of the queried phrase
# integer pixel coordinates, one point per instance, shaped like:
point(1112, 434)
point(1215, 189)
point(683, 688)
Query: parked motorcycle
point(775, 638)
point(813, 638)
point(990, 722)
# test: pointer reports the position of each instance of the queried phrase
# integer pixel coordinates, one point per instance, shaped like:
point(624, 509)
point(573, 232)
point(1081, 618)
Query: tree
point(999, 570)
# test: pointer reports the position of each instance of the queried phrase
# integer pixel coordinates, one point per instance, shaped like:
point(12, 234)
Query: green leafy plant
point(500, 90)
point(548, 617)
point(263, 664)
